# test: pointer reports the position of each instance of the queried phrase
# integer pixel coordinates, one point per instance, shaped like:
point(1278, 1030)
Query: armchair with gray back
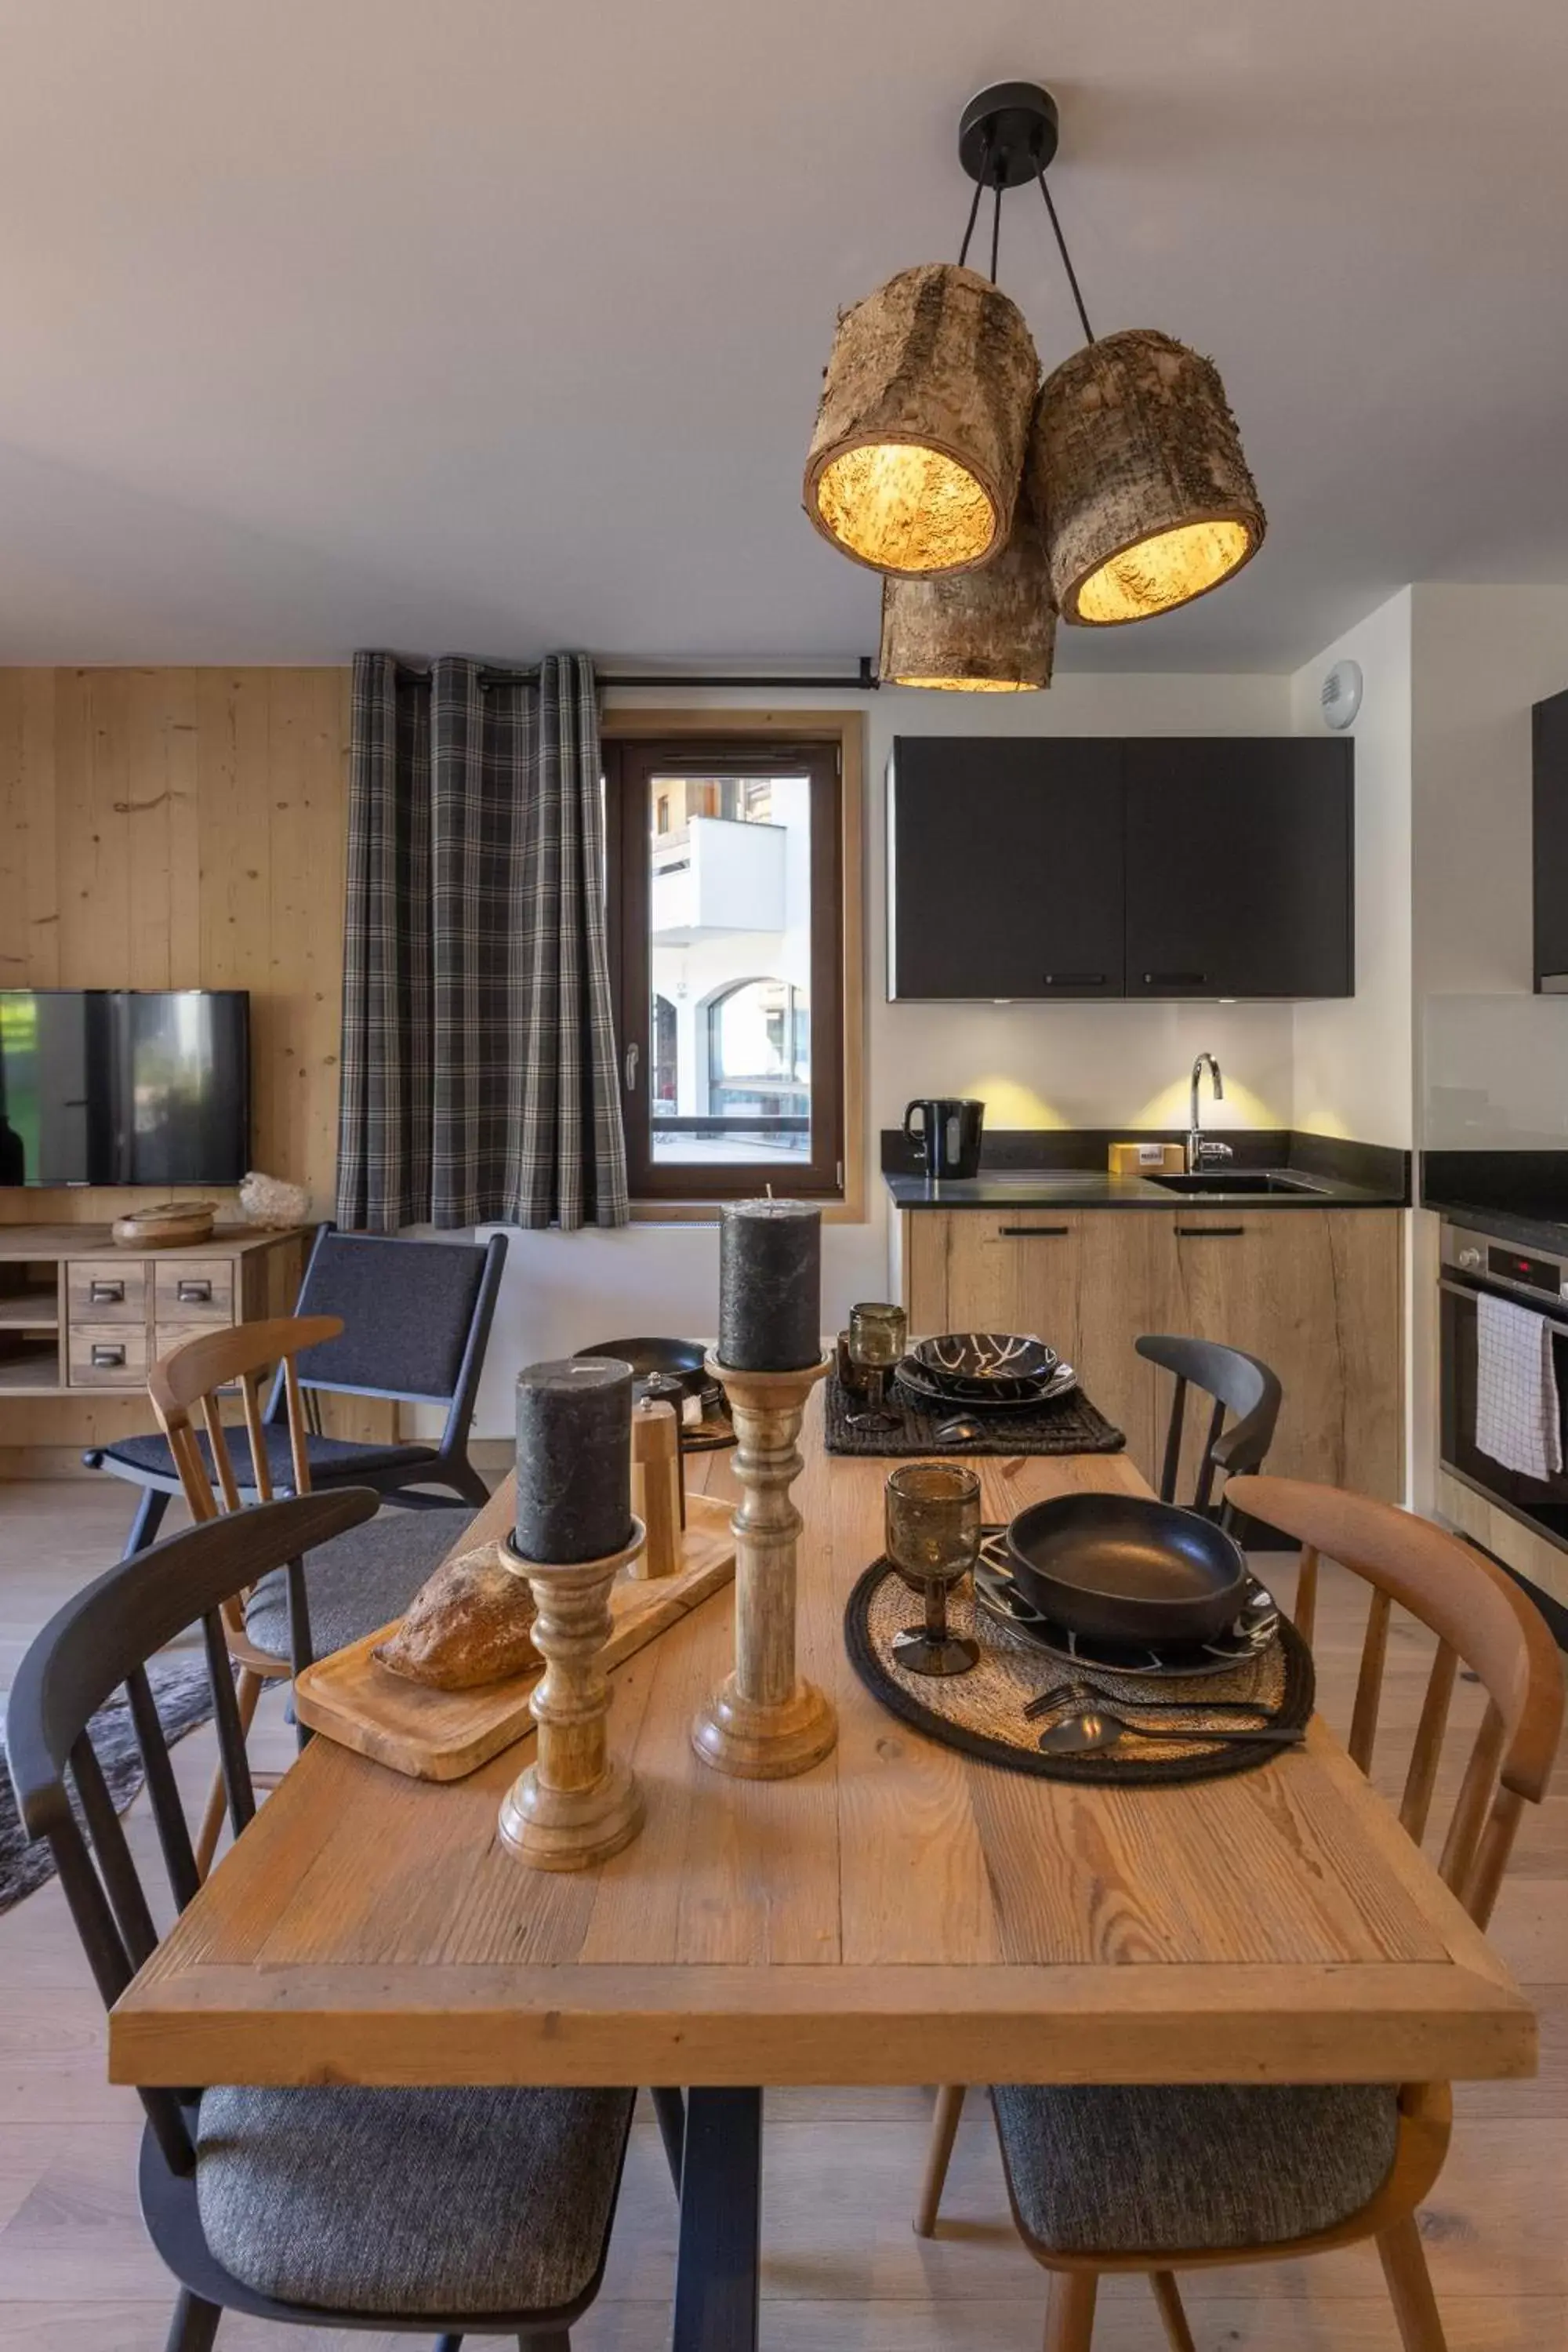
point(417, 1320)
point(436, 2213)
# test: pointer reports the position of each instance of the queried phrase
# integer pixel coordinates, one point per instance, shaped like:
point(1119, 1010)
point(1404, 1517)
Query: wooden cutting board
point(434, 1735)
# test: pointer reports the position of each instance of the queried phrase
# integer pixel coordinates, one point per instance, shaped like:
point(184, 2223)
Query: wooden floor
point(842, 2268)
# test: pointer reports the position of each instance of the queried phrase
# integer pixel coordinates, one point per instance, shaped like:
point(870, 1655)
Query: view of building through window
point(730, 973)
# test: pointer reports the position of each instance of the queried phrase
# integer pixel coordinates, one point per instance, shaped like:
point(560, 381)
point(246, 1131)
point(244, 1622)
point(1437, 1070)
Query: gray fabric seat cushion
point(1118, 2171)
point(334, 1461)
point(441, 2203)
point(359, 1580)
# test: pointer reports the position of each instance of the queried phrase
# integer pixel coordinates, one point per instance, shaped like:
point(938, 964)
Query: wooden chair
point(1115, 2150)
point(358, 1585)
point(478, 2211)
point(1237, 1383)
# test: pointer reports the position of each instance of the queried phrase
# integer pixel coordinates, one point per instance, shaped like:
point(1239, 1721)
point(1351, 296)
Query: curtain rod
point(866, 681)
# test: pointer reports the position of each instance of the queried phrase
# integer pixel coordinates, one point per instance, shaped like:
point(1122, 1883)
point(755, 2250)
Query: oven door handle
point(1557, 1315)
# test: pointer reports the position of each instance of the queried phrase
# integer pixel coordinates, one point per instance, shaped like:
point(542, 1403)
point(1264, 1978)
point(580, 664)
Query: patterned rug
point(183, 1695)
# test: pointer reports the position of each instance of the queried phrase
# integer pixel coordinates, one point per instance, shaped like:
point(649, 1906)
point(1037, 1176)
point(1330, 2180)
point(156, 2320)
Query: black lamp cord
point(1067, 260)
point(981, 178)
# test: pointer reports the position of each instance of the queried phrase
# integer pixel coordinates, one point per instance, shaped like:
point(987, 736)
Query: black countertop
point(1084, 1187)
point(1534, 1225)
point(1520, 1196)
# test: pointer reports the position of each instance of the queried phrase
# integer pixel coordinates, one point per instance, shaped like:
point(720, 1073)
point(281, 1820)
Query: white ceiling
point(483, 325)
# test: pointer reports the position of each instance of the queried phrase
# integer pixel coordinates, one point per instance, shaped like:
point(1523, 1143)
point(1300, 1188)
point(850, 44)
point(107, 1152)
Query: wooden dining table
point(899, 1914)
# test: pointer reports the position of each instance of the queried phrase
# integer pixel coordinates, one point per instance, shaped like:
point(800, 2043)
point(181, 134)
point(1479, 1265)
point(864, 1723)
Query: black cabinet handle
point(106, 1293)
point(1210, 1233)
point(1028, 1233)
point(1072, 980)
point(107, 1359)
point(1174, 979)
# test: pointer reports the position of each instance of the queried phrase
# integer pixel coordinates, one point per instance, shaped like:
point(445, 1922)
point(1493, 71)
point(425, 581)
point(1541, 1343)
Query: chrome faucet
point(1202, 1151)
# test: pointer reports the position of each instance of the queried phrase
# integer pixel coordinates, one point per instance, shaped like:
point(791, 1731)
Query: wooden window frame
point(638, 743)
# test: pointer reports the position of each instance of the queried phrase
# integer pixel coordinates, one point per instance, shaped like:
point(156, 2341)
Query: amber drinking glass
point(933, 1541)
point(877, 1336)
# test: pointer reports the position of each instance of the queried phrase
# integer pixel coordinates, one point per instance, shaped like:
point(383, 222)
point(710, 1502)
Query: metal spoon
point(1088, 1731)
point(959, 1431)
point(1087, 1697)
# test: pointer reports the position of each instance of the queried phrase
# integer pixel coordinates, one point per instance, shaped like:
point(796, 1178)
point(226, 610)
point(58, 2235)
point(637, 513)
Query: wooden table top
point(899, 1915)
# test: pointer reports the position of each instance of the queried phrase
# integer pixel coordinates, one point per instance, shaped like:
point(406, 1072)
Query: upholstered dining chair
point(1162, 2180)
point(1236, 1384)
point(414, 1321)
point(350, 1587)
point(432, 2212)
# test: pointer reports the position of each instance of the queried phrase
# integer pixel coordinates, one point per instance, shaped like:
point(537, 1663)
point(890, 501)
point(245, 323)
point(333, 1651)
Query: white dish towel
point(1519, 1421)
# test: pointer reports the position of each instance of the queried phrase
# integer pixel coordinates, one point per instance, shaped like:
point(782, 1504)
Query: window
point(727, 941)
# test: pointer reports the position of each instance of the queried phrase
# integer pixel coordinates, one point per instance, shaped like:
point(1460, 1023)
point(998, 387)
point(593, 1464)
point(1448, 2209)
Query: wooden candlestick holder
point(763, 1723)
point(574, 1805)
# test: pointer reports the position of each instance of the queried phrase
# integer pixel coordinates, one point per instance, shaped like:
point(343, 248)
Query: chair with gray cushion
point(416, 1321)
point(444, 2214)
point(1157, 2179)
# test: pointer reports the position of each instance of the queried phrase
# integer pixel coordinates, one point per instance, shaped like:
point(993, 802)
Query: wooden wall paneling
point(307, 748)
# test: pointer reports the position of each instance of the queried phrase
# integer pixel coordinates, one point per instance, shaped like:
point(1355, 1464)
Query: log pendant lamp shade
point(987, 632)
point(915, 463)
point(1137, 464)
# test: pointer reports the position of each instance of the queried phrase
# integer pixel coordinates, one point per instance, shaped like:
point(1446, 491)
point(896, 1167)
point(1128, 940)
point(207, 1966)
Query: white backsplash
point(1495, 1072)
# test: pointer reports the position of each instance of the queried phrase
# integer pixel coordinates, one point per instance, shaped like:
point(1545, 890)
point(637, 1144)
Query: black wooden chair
point(444, 2212)
point(1236, 1383)
point(417, 1320)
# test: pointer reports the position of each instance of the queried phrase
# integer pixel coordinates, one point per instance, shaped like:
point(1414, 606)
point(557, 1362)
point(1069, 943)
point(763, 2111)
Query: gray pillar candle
point(574, 1459)
point(770, 1286)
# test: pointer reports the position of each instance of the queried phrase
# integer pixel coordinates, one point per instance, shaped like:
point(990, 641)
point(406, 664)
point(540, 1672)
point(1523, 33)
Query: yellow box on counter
point(1146, 1159)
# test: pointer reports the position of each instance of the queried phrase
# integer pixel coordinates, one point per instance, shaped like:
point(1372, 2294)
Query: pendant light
point(915, 463)
point(988, 632)
point(1137, 461)
point(1136, 466)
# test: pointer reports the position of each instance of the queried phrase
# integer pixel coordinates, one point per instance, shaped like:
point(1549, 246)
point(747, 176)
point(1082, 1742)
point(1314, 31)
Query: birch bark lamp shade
point(1137, 466)
point(987, 632)
point(915, 463)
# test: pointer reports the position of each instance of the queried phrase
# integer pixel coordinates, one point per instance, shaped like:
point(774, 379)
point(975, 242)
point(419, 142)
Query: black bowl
point(1125, 1568)
point(666, 1359)
point(964, 1363)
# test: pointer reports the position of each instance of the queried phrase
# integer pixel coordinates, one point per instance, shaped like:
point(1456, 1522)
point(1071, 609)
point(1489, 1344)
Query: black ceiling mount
point(1007, 134)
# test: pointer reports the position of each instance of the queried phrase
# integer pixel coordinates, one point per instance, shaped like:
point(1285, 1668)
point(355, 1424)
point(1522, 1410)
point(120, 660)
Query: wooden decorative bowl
point(167, 1225)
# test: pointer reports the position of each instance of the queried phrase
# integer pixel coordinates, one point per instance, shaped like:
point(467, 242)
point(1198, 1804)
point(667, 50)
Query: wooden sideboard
point(81, 1320)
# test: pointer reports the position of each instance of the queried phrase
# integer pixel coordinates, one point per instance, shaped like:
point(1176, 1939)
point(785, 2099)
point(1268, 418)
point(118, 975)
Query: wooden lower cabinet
point(1082, 1278)
point(1316, 1292)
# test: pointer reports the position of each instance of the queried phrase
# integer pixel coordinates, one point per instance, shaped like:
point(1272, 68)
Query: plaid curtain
point(480, 1081)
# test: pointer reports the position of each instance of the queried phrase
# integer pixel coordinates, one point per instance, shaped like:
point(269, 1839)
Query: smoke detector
point(1341, 694)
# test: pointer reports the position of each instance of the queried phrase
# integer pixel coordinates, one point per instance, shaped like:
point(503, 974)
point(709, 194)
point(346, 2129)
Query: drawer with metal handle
point(107, 1355)
point(193, 1290)
point(100, 1291)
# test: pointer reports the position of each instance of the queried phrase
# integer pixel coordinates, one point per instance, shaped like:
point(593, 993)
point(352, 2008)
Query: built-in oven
point(1474, 1262)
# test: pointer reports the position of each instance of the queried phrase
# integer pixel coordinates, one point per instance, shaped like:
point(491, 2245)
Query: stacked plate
point(986, 1371)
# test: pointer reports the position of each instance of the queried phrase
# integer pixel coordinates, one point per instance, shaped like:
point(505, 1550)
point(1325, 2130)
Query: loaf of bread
point(467, 1625)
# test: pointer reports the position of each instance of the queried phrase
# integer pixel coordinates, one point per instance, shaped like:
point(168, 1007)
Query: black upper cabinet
point(1551, 799)
point(1092, 867)
point(1005, 867)
point(1239, 866)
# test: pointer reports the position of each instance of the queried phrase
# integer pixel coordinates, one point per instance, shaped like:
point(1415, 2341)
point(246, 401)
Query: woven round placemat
point(982, 1713)
point(1073, 1425)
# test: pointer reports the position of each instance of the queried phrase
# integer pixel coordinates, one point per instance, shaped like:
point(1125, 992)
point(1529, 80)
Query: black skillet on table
point(666, 1367)
point(1125, 1568)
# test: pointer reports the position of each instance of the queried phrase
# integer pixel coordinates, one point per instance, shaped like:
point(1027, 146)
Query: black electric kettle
point(946, 1139)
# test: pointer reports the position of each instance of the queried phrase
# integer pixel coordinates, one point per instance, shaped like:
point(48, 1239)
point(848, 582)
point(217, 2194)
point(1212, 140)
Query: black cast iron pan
point(1122, 1568)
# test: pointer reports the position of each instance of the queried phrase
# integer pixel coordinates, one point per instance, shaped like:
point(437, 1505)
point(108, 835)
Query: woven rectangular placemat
point(1072, 1425)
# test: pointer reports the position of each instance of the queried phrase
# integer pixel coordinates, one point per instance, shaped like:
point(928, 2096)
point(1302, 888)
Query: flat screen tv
point(112, 1086)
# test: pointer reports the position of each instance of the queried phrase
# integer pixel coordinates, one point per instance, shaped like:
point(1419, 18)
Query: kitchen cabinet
point(1550, 804)
point(1314, 1292)
point(1084, 1279)
point(1240, 873)
point(1004, 862)
point(1090, 867)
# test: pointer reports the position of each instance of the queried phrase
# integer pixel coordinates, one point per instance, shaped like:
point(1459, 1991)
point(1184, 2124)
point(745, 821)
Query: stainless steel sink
point(1254, 1182)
